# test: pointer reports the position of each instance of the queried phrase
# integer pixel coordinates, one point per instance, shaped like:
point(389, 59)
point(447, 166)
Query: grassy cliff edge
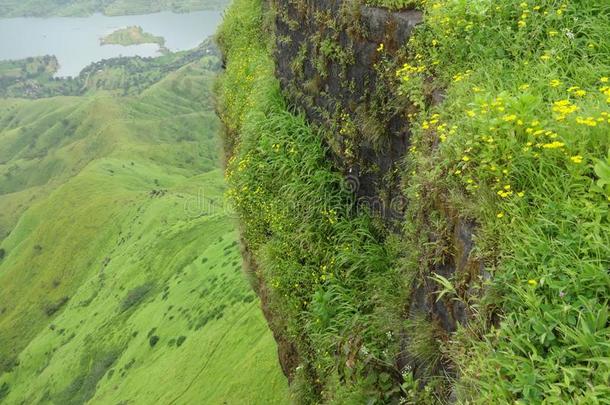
point(517, 145)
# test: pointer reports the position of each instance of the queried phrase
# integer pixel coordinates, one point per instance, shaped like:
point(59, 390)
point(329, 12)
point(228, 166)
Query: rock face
point(327, 59)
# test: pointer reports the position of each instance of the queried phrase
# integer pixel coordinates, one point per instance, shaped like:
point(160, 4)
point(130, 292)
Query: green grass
point(318, 260)
point(393, 4)
point(524, 145)
point(117, 236)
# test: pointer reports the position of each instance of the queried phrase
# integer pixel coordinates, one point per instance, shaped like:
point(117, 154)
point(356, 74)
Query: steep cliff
point(423, 194)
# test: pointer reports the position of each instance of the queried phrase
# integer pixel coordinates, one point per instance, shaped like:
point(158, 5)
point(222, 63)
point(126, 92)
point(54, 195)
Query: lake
point(75, 41)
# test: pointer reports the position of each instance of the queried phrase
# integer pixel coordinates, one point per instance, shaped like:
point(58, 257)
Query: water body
point(75, 41)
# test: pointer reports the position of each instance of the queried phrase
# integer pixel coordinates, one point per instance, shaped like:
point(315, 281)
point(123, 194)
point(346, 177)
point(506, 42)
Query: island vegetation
point(133, 35)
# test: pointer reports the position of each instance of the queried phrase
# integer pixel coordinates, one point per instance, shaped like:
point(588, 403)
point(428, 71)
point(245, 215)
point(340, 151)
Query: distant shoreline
point(41, 8)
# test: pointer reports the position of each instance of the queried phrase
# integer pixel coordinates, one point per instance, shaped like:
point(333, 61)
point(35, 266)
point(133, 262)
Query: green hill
point(121, 276)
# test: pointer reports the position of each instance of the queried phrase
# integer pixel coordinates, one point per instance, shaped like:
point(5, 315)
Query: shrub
point(4, 390)
point(51, 308)
point(136, 295)
point(153, 340)
point(180, 341)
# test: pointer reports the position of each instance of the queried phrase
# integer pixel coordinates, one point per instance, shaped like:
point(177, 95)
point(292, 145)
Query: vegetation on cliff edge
point(332, 284)
point(519, 145)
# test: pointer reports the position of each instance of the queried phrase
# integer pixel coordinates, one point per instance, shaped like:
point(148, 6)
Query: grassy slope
point(128, 260)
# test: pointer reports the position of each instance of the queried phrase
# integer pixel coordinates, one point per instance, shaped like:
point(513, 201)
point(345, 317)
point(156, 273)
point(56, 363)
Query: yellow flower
point(576, 159)
point(524, 87)
point(588, 121)
point(500, 214)
point(521, 194)
point(380, 48)
point(471, 113)
point(521, 23)
point(532, 282)
point(604, 79)
point(553, 145)
point(553, 33)
point(555, 83)
point(509, 118)
point(465, 158)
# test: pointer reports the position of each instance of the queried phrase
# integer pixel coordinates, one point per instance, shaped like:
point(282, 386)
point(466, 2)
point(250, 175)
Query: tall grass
point(330, 274)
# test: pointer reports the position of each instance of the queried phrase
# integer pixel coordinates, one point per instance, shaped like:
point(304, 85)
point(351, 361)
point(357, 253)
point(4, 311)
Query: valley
point(120, 267)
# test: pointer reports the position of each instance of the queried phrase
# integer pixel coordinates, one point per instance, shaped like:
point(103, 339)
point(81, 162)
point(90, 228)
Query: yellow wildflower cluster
point(605, 90)
point(553, 145)
point(461, 76)
point(563, 108)
point(577, 91)
point(331, 215)
point(505, 192)
point(441, 129)
point(407, 71)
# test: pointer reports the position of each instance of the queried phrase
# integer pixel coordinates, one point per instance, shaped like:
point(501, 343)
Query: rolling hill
point(120, 269)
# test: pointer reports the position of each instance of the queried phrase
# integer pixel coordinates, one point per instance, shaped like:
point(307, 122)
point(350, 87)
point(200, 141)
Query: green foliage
point(332, 283)
point(4, 390)
point(394, 4)
point(82, 388)
point(519, 144)
point(52, 308)
point(153, 340)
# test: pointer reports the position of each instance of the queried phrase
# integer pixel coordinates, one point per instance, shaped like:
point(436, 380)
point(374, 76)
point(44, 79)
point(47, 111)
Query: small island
point(133, 35)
